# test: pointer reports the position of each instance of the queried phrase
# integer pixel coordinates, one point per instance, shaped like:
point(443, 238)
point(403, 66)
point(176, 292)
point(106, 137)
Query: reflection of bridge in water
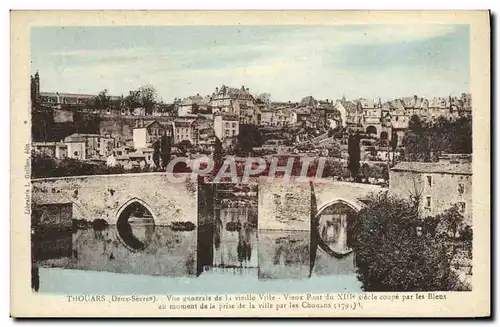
point(231, 240)
point(235, 237)
point(332, 227)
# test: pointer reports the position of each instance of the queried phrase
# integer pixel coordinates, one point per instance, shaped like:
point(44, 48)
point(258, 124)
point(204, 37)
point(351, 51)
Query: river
point(243, 259)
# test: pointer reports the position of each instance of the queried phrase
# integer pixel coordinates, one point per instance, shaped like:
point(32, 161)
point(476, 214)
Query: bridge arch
point(135, 236)
point(353, 204)
point(131, 201)
point(331, 232)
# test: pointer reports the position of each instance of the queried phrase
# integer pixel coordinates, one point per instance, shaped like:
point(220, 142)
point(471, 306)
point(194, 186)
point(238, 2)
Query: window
point(461, 188)
point(428, 202)
point(234, 125)
point(429, 181)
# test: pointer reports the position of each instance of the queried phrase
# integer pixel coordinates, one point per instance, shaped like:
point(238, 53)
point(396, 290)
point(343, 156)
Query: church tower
point(35, 89)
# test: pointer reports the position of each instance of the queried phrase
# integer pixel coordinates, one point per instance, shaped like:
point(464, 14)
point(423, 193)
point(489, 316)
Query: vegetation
point(165, 150)
point(182, 226)
point(426, 141)
point(397, 249)
point(249, 137)
point(144, 97)
point(354, 155)
point(102, 101)
point(44, 166)
point(82, 224)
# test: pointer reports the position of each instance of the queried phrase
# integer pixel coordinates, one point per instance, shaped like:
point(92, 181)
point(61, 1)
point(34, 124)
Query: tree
point(398, 250)
point(394, 145)
point(217, 156)
point(264, 98)
point(425, 141)
point(133, 100)
point(166, 149)
point(144, 97)
point(156, 153)
point(249, 137)
point(101, 101)
point(354, 152)
point(149, 98)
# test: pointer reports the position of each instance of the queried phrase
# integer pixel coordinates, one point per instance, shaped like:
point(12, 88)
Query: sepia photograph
point(224, 160)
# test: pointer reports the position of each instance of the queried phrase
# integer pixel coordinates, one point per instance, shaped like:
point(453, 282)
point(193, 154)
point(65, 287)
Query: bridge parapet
point(105, 196)
point(351, 194)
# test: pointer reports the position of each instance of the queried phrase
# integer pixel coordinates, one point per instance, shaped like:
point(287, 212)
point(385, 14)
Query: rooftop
point(434, 167)
point(75, 95)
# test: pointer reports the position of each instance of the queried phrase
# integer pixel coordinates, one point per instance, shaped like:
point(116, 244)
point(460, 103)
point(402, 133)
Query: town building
point(228, 99)
point(354, 112)
point(185, 130)
point(145, 136)
point(129, 158)
point(56, 150)
point(266, 117)
point(249, 114)
point(302, 115)
point(193, 105)
point(284, 116)
point(372, 115)
point(88, 146)
point(436, 186)
point(226, 126)
point(206, 138)
point(116, 160)
point(333, 117)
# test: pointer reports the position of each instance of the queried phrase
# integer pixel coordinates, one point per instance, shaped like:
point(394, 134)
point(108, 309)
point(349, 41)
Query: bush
point(397, 250)
point(182, 226)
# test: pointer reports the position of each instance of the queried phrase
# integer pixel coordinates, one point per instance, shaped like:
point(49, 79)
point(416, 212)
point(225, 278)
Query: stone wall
point(104, 196)
point(443, 191)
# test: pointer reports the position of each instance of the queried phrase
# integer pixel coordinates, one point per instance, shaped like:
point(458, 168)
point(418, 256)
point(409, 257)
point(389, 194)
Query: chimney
point(216, 90)
point(243, 88)
point(248, 90)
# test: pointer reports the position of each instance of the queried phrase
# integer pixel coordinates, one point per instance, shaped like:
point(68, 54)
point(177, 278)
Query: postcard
point(250, 164)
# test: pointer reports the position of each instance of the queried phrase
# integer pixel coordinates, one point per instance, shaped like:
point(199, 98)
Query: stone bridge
point(106, 196)
point(351, 194)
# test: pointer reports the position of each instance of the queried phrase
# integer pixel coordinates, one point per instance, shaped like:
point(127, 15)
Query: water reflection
point(235, 234)
point(333, 230)
point(136, 226)
point(335, 256)
point(283, 254)
point(169, 252)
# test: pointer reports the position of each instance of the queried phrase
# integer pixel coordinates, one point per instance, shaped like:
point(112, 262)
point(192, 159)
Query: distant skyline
point(289, 62)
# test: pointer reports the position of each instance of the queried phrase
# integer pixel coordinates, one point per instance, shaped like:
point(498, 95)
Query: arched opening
point(135, 224)
point(371, 130)
point(332, 227)
point(383, 135)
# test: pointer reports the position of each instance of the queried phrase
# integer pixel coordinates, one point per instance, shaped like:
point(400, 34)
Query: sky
point(289, 62)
